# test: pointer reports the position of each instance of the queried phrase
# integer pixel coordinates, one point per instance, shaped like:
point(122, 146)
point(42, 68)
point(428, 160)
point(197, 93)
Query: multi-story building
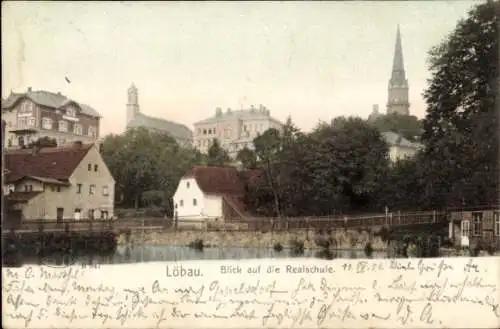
point(233, 129)
point(35, 114)
point(57, 183)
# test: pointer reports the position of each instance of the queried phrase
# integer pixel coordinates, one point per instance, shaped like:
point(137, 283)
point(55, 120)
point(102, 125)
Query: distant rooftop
point(48, 99)
point(176, 130)
point(393, 138)
point(242, 114)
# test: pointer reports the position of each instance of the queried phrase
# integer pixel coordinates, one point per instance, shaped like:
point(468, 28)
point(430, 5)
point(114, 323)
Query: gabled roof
point(57, 163)
point(48, 99)
point(176, 130)
point(221, 180)
point(40, 179)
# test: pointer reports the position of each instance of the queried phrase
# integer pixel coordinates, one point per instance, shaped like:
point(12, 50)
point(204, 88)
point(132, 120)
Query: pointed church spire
point(398, 64)
point(398, 100)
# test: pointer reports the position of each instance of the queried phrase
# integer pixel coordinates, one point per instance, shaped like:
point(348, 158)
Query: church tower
point(132, 103)
point(398, 84)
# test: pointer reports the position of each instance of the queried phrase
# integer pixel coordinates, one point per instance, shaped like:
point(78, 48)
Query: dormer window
point(27, 107)
point(71, 112)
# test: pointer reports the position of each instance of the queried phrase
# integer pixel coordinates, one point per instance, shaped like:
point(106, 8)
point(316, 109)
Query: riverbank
point(348, 239)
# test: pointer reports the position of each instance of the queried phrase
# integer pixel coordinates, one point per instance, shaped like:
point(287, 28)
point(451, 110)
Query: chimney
point(77, 145)
point(375, 108)
point(29, 89)
point(228, 110)
point(218, 112)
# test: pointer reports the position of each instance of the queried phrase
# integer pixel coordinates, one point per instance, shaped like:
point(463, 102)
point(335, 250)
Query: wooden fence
point(251, 224)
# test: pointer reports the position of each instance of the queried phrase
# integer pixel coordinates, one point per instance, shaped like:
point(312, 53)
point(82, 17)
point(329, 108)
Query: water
point(158, 253)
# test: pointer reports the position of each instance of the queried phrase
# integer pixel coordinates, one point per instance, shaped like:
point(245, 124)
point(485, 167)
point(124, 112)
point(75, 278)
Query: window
point(53, 188)
point(89, 167)
point(195, 202)
point(91, 189)
point(9, 142)
point(181, 203)
point(209, 131)
point(95, 168)
point(47, 123)
point(187, 184)
point(61, 141)
point(91, 213)
point(77, 214)
point(21, 122)
point(104, 214)
point(78, 129)
point(92, 131)
point(105, 190)
point(31, 122)
point(204, 131)
point(79, 188)
point(27, 107)
point(63, 126)
point(71, 112)
point(214, 131)
point(496, 223)
point(28, 188)
point(477, 223)
point(465, 228)
point(58, 188)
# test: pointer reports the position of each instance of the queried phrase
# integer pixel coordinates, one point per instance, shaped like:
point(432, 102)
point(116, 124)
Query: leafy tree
point(147, 166)
point(461, 129)
point(247, 157)
point(349, 162)
point(408, 126)
point(217, 156)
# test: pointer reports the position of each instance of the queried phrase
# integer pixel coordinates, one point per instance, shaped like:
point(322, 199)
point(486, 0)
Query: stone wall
point(342, 239)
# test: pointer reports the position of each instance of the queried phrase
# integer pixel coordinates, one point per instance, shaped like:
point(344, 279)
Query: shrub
point(368, 249)
point(278, 247)
point(297, 246)
point(197, 244)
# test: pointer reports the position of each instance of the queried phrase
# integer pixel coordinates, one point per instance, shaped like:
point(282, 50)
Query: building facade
point(135, 119)
point(399, 147)
point(213, 194)
point(60, 183)
point(234, 130)
point(398, 89)
point(36, 114)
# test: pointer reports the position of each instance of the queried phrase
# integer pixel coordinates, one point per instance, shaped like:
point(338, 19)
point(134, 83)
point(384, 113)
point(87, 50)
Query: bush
point(368, 249)
point(297, 246)
point(278, 247)
point(322, 242)
point(197, 244)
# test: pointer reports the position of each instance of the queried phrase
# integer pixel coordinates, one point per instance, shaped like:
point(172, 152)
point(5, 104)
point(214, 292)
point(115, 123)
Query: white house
point(211, 193)
point(400, 147)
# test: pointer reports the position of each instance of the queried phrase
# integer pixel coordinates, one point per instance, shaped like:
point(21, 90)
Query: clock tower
point(398, 84)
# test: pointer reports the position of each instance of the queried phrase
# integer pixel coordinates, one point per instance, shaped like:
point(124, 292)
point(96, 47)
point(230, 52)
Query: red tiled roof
point(53, 162)
point(220, 180)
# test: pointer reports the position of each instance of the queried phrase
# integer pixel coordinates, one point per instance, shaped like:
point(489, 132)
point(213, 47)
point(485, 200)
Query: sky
point(312, 61)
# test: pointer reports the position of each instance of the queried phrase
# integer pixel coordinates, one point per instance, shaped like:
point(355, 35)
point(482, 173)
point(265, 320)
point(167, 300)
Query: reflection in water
point(150, 253)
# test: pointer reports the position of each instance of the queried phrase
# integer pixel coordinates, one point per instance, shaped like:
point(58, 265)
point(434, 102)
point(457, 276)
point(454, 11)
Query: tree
point(146, 166)
point(461, 129)
point(409, 126)
point(348, 161)
point(247, 157)
point(217, 156)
